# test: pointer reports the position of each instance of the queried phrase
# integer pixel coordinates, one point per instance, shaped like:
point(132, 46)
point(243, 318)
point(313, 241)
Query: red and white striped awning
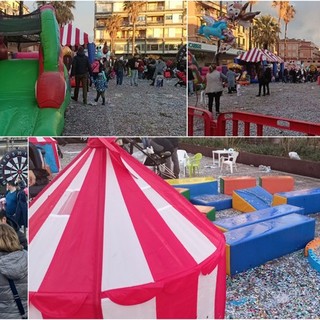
point(273, 56)
point(72, 36)
point(110, 239)
point(257, 55)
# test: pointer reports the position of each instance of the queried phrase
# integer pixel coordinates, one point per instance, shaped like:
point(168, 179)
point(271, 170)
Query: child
point(159, 80)
point(101, 86)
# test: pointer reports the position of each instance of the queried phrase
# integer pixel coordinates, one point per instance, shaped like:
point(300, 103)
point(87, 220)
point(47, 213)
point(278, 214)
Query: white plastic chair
point(229, 161)
point(182, 157)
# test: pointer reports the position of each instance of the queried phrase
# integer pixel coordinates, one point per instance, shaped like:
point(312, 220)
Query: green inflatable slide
point(34, 88)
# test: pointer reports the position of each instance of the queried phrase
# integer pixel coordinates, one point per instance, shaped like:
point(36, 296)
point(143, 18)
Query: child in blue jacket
point(101, 85)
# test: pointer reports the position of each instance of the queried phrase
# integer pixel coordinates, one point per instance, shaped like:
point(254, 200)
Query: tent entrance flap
point(20, 25)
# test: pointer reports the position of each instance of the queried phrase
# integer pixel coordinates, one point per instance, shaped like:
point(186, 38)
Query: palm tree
point(265, 32)
point(113, 25)
point(252, 3)
point(133, 9)
point(287, 17)
point(63, 9)
point(281, 5)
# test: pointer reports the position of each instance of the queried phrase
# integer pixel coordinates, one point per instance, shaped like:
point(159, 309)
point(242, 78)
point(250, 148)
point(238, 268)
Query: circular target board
point(14, 166)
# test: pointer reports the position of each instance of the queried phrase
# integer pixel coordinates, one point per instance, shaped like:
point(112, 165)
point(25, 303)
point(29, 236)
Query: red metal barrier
point(250, 121)
point(205, 115)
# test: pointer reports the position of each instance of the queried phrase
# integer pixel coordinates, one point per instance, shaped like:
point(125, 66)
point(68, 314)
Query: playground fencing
point(245, 123)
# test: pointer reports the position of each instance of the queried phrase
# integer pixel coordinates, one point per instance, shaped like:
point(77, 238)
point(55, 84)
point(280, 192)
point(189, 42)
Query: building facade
point(299, 50)
point(203, 49)
point(12, 7)
point(161, 27)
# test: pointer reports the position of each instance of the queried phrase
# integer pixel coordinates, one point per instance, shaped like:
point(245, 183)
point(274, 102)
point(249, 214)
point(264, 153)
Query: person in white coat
point(214, 87)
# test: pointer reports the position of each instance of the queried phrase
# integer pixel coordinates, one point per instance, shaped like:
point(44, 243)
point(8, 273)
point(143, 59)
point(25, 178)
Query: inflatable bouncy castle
point(34, 91)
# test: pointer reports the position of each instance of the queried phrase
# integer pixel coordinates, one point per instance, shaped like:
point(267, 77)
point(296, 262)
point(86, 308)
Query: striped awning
point(257, 55)
point(71, 36)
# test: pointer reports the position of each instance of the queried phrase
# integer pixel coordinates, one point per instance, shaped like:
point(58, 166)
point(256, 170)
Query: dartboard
point(14, 166)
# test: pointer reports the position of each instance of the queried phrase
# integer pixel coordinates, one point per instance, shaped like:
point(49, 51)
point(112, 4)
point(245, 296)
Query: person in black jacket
point(80, 69)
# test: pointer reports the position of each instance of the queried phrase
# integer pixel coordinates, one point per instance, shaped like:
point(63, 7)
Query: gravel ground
point(298, 101)
point(282, 288)
point(130, 111)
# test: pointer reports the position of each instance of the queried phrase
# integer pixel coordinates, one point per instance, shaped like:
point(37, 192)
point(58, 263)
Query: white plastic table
point(220, 153)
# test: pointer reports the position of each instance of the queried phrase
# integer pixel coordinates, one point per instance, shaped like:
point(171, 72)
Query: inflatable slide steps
point(219, 201)
point(252, 199)
point(196, 186)
point(309, 199)
point(184, 192)
point(246, 219)
point(209, 212)
point(255, 244)
point(275, 184)
point(230, 184)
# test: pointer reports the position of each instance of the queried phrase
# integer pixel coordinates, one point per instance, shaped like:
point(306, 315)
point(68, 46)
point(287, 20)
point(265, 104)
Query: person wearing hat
point(80, 69)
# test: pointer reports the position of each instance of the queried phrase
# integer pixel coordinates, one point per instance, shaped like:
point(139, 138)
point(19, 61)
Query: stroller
point(182, 78)
point(147, 156)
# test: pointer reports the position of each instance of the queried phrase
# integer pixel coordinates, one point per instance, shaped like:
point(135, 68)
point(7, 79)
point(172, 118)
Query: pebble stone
point(298, 101)
point(141, 110)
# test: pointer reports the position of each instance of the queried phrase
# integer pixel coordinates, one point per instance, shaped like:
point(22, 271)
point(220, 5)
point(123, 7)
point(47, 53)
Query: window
point(104, 7)
point(169, 17)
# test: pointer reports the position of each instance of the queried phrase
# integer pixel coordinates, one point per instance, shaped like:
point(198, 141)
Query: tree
point(265, 32)
point(252, 3)
point(287, 17)
point(133, 9)
point(63, 10)
point(281, 5)
point(113, 25)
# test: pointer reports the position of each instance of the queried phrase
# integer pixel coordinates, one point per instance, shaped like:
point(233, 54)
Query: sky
point(304, 26)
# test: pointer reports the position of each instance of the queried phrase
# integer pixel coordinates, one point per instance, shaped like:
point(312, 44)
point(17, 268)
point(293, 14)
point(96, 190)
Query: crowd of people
point(102, 70)
point(13, 253)
point(215, 81)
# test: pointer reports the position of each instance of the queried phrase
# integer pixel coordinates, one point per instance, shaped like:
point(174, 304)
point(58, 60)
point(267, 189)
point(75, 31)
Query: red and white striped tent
point(110, 239)
point(257, 55)
point(72, 36)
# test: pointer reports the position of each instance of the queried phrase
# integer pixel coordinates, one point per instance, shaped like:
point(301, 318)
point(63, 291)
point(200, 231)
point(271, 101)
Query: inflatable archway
point(34, 91)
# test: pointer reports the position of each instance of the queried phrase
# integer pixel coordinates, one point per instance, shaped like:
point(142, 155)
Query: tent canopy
point(72, 36)
point(110, 239)
point(258, 55)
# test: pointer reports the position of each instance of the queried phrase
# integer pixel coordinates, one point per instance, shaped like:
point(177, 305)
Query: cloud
point(304, 25)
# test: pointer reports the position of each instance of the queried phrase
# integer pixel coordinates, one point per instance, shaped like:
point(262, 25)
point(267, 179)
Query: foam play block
point(209, 212)
point(253, 245)
point(247, 219)
point(229, 184)
point(185, 192)
point(275, 184)
point(197, 186)
point(219, 201)
point(309, 199)
point(252, 199)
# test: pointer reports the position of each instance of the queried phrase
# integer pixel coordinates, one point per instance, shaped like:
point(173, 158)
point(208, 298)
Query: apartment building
point(12, 7)
point(204, 49)
point(161, 27)
point(299, 50)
